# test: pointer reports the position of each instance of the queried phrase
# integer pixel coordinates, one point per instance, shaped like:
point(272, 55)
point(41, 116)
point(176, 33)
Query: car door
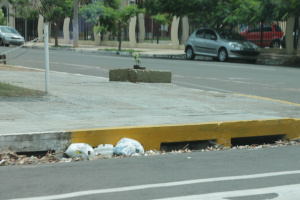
point(211, 43)
point(199, 41)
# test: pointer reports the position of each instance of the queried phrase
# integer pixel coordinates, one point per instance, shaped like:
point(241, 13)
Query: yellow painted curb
point(151, 137)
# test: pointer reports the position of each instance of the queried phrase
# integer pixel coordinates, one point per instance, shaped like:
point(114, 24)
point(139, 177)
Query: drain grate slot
point(191, 145)
point(259, 140)
point(35, 153)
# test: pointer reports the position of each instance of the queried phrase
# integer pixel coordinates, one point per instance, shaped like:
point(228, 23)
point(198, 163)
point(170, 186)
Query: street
point(257, 173)
point(252, 174)
point(279, 83)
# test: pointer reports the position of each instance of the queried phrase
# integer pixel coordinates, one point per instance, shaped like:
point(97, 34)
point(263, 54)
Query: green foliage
point(24, 9)
point(288, 8)
point(109, 14)
point(164, 19)
point(220, 13)
point(53, 11)
point(8, 90)
point(137, 58)
point(2, 18)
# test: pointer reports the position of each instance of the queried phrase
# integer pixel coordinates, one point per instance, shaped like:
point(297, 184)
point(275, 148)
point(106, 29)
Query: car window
point(267, 29)
point(277, 28)
point(254, 29)
point(229, 35)
point(209, 34)
point(8, 30)
point(200, 33)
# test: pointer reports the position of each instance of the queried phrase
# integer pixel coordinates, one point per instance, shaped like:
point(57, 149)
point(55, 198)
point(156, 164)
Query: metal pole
point(75, 26)
point(7, 16)
point(46, 49)
point(26, 36)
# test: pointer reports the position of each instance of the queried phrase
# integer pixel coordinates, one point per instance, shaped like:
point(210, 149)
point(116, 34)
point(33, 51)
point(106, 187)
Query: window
point(209, 34)
point(200, 33)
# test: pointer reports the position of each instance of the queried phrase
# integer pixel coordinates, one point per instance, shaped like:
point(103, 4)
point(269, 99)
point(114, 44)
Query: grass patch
point(122, 50)
point(8, 90)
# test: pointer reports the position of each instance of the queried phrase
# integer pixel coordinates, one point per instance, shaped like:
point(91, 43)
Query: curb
point(151, 137)
point(263, 59)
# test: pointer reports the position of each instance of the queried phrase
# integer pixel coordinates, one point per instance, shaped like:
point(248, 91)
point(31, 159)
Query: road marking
point(265, 98)
point(158, 185)
point(68, 64)
point(231, 81)
point(67, 73)
point(290, 192)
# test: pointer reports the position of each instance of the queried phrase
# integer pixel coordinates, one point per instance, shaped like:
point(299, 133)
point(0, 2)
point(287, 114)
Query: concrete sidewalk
point(266, 58)
point(93, 110)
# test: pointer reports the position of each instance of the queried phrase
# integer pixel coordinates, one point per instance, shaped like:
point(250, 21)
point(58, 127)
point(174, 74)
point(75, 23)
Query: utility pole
point(46, 49)
point(75, 25)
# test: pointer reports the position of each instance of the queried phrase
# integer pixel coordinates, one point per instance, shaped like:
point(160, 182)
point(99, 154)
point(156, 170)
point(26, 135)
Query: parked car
point(10, 36)
point(220, 44)
point(271, 35)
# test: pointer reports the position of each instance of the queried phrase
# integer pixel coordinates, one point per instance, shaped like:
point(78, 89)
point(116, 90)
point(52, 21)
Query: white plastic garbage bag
point(106, 150)
point(128, 147)
point(80, 150)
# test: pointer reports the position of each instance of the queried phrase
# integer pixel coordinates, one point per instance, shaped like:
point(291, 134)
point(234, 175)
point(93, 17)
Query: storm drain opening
point(190, 145)
point(259, 140)
point(36, 153)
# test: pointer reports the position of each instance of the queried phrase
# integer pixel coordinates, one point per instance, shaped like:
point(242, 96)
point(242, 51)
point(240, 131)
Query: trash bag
point(105, 150)
point(82, 150)
point(128, 147)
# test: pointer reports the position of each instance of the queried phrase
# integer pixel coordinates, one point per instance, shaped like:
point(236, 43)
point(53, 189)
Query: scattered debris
point(11, 158)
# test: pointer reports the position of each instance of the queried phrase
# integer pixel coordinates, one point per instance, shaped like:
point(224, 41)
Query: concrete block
point(28, 142)
point(140, 75)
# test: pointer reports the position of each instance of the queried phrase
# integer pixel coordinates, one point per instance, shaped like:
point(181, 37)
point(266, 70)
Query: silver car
point(220, 44)
point(10, 36)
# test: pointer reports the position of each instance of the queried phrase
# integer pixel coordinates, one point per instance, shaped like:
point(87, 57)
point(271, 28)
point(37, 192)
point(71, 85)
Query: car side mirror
point(213, 37)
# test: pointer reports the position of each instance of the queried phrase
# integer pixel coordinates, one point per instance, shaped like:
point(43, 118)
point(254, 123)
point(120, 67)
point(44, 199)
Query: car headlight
point(235, 46)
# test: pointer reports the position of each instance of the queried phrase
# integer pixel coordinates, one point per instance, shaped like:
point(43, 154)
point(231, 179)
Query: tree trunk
point(298, 45)
point(120, 35)
point(56, 33)
point(157, 32)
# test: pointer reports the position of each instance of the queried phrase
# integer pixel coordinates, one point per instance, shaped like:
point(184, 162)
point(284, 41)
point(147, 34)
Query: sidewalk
point(95, 111)
point(264, 58)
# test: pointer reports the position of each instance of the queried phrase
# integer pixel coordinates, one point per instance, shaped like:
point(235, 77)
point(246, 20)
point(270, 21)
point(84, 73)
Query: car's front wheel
point(223, 55)
point(190, 53)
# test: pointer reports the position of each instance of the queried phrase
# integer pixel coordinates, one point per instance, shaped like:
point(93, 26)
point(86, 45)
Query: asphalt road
point(281, 83)
point(272, 173)
point(256, 174)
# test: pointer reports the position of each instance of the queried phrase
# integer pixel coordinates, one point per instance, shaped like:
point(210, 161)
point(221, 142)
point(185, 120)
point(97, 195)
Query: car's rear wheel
point(190, 53)
point(223, 55)
point(275, 44)
point(7, 45)
point(1, 42)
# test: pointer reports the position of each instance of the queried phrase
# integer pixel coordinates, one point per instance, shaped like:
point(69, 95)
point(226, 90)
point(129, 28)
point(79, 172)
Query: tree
point(110, 16)
point(287, 9)
point(214, 13)
point(2, 18)
point(161, 19)
point(53, 11)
